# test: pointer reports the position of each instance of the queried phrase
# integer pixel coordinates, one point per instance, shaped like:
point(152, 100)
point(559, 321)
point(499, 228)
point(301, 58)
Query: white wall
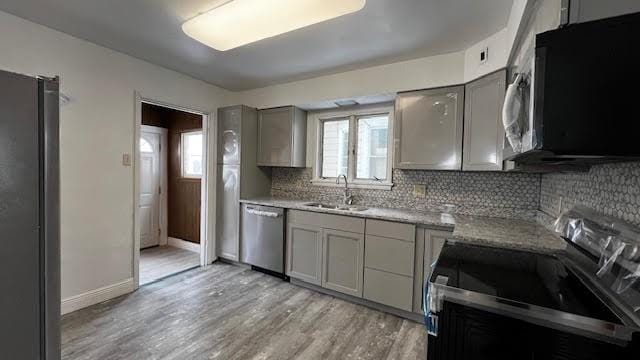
point(497, 57)
point(96, 129)
point(421, 73)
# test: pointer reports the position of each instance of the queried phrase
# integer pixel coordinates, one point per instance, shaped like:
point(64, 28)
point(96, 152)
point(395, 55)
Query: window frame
point(183, 153)
point(353, 115)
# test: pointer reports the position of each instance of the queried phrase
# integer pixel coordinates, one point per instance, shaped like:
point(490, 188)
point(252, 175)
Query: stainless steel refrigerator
point(29, 218)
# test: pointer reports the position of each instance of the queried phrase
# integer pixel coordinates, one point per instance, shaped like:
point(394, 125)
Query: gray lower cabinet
point(326, 250)
point(304, 253)
point(228, 212)
point(429, 243)
point(389, 263)
point(388, 289)
point(483, 129)
point(428, 129)
point(342, 259)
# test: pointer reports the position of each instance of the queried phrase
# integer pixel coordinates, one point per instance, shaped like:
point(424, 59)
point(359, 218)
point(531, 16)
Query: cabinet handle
point(263, 213)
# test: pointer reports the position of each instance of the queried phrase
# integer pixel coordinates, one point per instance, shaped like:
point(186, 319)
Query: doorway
point(171, 186)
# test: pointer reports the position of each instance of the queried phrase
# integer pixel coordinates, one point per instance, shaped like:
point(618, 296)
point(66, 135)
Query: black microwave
point(579, 101)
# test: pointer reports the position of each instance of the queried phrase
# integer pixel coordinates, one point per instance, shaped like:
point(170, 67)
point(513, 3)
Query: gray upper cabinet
point(483, 130)
point(428, 129)
point(282, 137)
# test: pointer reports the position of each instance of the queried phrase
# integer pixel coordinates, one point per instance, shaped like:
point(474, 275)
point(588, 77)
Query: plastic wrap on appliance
point(611, 240)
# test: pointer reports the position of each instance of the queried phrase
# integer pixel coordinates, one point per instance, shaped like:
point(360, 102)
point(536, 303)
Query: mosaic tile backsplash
point(612, 189)
point(478, 193)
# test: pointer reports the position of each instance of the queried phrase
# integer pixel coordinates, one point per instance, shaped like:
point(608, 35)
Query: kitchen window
point(356, 144)
point(191, 154)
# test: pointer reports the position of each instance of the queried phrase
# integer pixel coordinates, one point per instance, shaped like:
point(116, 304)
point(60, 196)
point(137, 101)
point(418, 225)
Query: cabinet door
point(228, 212)
point(428, 129)
point(304, 253)
point(483, 129)
point(229, 127)
point(342, 261)
point(275, 136)
point(431, 243)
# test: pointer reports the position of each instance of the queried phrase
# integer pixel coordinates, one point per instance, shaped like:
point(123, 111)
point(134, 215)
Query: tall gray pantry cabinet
point(238, 175)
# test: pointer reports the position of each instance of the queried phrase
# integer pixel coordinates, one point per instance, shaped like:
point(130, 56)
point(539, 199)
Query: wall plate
point(484, 55)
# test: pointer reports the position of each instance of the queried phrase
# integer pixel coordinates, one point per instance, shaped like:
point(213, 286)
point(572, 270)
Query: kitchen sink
point(336, 207)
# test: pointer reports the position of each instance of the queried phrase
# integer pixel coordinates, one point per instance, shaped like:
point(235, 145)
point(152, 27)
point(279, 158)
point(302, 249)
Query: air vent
point(344, 103)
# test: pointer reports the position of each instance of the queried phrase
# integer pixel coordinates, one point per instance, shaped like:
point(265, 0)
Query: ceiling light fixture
point(239, 22)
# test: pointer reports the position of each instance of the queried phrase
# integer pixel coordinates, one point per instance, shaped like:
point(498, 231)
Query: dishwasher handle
point(269, 214)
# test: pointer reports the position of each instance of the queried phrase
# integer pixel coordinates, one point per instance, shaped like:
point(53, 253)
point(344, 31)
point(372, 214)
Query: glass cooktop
point(535, 279)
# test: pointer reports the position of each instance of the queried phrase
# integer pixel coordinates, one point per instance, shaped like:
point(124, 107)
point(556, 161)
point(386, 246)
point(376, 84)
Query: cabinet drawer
point(406, 232)
point(391, 255)
point(327, 221)
point(388, 289)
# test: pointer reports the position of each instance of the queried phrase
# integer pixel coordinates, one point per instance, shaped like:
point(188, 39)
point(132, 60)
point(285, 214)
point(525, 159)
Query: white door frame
point(164, 145)
point(207, 228)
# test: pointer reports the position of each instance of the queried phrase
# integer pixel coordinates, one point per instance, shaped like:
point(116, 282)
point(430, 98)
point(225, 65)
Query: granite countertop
point(498, 232)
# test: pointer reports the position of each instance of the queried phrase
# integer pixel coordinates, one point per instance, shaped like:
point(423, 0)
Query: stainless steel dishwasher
point(262, 238)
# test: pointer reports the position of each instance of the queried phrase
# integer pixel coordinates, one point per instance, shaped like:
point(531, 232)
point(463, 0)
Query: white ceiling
point(384, 31)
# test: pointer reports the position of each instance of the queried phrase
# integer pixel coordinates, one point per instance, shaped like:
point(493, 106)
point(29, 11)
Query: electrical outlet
point(126, 159)
point(420, 190)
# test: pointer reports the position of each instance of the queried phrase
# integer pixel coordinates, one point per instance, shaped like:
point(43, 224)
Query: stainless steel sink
point(336, 207)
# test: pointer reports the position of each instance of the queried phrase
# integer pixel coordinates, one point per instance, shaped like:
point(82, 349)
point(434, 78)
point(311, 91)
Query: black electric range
point(491, 303)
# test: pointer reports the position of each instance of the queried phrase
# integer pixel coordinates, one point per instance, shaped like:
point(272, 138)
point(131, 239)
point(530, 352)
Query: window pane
point(145, 146)
point(335, 147)
point(372, 147)
point(192, 154)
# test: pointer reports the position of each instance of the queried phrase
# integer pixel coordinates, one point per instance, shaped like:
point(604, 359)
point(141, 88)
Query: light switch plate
point(126, 159)
point(419, 190)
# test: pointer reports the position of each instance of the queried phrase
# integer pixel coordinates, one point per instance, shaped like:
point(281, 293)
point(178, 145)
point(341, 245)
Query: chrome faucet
point(348, 196)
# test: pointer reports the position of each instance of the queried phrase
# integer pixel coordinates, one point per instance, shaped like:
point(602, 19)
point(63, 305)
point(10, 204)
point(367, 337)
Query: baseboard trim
point(96, 296)
point(361, 301)
point(183, 244)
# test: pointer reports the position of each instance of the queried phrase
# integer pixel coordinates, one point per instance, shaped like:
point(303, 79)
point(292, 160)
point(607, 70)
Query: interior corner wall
point(97, 128)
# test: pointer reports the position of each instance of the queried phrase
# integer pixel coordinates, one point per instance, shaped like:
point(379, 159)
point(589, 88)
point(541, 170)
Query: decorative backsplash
point(478, 193)
point(612, 189)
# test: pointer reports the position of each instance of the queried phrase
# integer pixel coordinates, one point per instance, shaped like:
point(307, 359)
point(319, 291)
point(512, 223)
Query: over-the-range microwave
point(578, 98)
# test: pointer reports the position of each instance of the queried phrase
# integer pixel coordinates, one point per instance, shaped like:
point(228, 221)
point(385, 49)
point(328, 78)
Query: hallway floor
point(162, 261)
point(225, 311)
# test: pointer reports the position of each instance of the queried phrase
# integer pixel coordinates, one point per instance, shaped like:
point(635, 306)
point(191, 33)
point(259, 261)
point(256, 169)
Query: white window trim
point(353, 115)
point(182, 152)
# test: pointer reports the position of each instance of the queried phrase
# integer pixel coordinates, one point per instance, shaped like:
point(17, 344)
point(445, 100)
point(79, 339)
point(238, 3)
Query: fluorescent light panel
point(241, 22)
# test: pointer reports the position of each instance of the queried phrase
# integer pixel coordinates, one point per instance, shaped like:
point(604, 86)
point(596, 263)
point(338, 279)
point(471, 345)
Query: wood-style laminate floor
point(229, 312)
point(161, 261)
